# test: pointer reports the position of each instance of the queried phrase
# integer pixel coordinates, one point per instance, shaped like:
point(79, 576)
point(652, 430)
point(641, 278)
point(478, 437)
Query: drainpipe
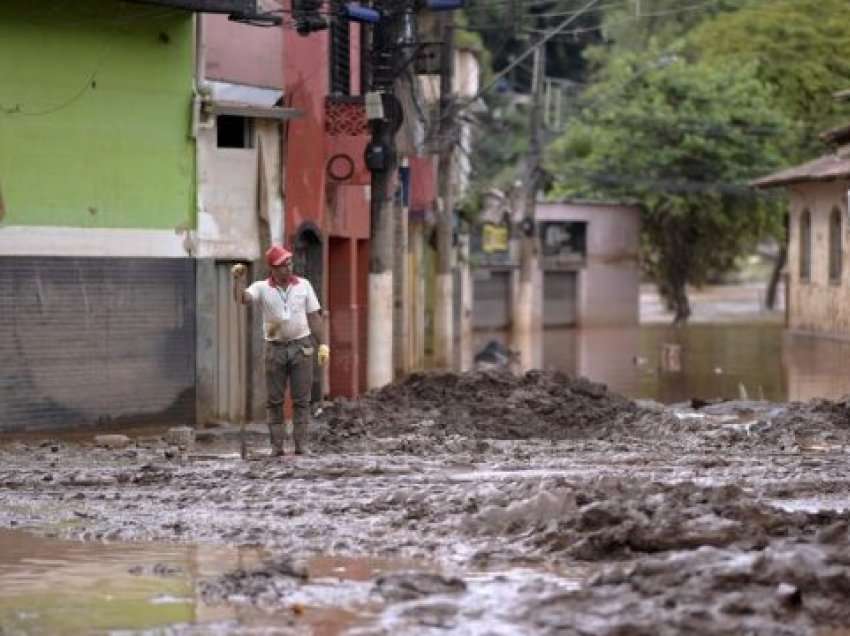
point(200, 89)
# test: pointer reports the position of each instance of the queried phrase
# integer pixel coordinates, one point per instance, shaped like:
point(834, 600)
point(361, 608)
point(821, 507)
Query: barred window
point(340, 52)
point(806, 246)
point(835, 245)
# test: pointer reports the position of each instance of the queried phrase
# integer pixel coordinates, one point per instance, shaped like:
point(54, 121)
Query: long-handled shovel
point(242, 380)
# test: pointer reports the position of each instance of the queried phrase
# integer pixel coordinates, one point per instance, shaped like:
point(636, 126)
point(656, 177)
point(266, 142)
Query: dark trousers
point(290, 362)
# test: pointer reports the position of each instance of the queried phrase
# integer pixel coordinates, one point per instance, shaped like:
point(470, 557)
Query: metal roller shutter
point(491, 300)
point(87, 341)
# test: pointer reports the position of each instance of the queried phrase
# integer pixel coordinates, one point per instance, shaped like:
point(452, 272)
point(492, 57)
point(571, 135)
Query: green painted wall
point(95, 114)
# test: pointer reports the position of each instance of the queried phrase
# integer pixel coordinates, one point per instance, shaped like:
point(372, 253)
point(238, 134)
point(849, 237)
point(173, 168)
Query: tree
point(631, 26)
point(681, 139)
point(800, 48)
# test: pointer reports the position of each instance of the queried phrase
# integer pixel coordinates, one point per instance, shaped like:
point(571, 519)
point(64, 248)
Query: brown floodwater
point(674, 364)
point(51, 586)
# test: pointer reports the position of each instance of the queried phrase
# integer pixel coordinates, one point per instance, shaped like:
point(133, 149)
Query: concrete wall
point(95, 113)
point(233, 195)
point(819, 305)
point(608, 286)
point(243, 54)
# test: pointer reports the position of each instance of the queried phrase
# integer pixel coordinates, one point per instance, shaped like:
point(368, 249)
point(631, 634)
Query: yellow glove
point(238, 270)
point(324, 354)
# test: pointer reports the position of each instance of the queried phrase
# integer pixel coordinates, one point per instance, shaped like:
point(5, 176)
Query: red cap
point(276, 254)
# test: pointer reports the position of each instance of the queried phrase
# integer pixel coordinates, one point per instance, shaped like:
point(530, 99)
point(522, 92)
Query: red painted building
point(326, 186)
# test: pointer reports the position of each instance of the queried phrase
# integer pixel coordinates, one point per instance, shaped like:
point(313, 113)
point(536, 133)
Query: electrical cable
point(472, 26)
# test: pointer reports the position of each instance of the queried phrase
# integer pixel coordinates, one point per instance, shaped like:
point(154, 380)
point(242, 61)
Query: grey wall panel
point(491, 300)
point(88, 341)
point(205, 338)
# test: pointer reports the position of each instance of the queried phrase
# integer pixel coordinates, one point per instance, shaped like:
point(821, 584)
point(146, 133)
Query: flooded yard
point(731, 348)
point(704, 361)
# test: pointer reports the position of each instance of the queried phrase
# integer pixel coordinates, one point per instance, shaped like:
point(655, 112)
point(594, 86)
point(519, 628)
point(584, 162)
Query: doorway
point(308, 262)
point(231, 357)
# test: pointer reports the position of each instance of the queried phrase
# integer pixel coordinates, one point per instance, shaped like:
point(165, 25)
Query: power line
point(494, 25)
point(537, 44)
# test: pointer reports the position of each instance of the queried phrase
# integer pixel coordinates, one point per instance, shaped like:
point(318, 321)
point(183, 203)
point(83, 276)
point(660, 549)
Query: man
point(291, 322)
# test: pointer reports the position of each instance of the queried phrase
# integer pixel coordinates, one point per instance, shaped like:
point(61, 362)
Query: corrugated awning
point(244, 109)
point(227, 98)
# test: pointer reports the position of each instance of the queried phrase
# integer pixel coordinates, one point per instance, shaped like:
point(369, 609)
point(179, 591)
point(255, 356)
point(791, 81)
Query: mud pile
point(819, 423)
point(787, 588)
point(265, 584)
point(478, 405)
point(615, 519)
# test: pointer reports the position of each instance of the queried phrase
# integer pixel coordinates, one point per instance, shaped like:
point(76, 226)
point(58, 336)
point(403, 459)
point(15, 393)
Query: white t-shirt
point(285, 309)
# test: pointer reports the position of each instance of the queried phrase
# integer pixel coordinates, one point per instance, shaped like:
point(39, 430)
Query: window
point(340, 52)
point(564, 241)
point(806, 246)
point(234, 131)
point(835, 245)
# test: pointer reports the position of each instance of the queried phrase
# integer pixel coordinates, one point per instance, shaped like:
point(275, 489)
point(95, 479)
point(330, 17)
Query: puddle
point(506, 474)
point(49, 586)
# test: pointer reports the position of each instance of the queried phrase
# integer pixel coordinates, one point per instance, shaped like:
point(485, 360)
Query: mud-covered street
point(470, 504)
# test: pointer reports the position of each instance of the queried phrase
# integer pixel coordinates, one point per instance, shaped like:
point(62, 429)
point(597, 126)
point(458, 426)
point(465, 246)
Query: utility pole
point(381, 160)
point(444, 283)
point(401, 280)
point(527, 319)
point(393, 47)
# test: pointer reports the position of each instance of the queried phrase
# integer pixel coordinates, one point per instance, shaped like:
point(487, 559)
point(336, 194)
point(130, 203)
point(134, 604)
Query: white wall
point(819, 305)
point(228, 188)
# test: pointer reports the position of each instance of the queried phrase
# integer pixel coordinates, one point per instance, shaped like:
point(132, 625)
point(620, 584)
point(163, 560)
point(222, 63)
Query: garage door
point(560, 298)
point(491, 300)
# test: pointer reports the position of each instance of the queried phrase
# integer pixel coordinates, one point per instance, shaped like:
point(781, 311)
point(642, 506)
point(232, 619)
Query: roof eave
point(766, 184)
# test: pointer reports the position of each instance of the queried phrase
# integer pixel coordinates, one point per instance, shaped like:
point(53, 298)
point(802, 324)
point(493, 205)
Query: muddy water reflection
point(49, 586)
point(673, 364)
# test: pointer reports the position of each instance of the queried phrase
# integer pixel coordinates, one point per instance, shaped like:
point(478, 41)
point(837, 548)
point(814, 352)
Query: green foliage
point(500, 146)
point(632, 26)
point(801, 48)
point(682, 139)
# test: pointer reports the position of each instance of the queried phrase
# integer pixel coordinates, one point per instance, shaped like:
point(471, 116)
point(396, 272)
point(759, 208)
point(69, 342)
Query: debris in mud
point(495, 355)
point(165, 570)
point(180, 436)
point(115, 442)
point(787, 588)
point(266, 584)
point(152, 474)
point(483, 404)
point(407, 586)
